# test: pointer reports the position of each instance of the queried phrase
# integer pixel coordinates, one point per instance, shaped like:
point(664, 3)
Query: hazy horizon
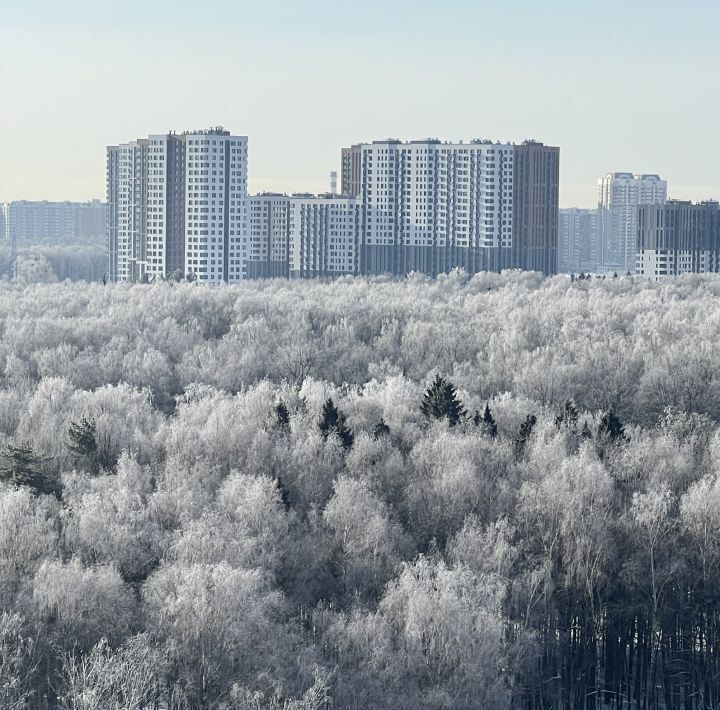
point(613, 91)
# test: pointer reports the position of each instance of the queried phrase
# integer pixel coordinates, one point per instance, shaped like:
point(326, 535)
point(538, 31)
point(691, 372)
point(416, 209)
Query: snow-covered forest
point(497, 492)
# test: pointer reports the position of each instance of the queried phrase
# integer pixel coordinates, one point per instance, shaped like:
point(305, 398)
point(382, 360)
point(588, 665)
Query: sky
point(619, 86)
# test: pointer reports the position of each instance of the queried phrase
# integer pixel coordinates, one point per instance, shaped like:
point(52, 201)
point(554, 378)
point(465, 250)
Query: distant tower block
point(334, 183)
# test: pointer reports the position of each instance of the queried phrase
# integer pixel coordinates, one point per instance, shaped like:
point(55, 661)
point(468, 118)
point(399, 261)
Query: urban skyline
point(543, 64)
point(178, 205)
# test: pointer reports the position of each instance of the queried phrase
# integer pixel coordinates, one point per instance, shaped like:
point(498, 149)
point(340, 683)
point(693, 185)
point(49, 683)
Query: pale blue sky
point(617, 85)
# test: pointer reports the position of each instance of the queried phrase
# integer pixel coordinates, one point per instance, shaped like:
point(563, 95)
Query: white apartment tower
point(620, 195)
point(324, 235)
point(177, 205)
point(430, 206)
point(126, 166)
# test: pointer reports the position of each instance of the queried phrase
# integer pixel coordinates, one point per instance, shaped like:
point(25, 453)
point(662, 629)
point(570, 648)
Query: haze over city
point(616, 86)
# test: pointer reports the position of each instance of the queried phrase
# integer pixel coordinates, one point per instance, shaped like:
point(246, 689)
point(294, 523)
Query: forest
point(494, 492)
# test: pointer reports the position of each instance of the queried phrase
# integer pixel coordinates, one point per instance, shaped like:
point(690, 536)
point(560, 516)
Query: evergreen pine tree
point(586, 433)
point(441, 402)
point(20, 467)
point(284, 493)
point(568, 416)
point(526, 429)
point(333, 422)
point(489, 421)
point(477, 419)
point(612, 427)
point(381, 429)
point(282, 416)
point(83, 441)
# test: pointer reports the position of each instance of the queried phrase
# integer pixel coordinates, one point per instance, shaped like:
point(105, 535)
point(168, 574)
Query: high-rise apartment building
point(3, 221)
point(324, 235)
point(127, 210)
point(430, 206)
point(620, 195)
point(678, 238)
point(177, 204)
point(536, 190)
point(577, 241)
point(268, 236)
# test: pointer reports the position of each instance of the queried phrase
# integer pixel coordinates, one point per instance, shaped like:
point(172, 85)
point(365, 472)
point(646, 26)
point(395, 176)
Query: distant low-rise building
point(30, 222)
point(678, 238)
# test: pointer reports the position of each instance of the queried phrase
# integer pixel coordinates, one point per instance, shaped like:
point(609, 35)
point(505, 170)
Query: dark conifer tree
point(282, 416)
point(333, 422)
point(612, 427)
point(489, 422)
point(83, 441)
point(284, 493)
point(568, 416)
point(586, 433)
point(20, 467)
point(526, 430)
point(441, 402)
point(381, 429)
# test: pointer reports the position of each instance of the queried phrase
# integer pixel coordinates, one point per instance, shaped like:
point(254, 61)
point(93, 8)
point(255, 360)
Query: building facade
point(3, 221)
point(351, 171)
point(324, 235)
point(430, 206)
point(33, 222)
point(620, 195)
point(678, 238)
point(578, 241)
point(178, 206)
point(536, 194)
point(127, 210)
point(268, 253)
